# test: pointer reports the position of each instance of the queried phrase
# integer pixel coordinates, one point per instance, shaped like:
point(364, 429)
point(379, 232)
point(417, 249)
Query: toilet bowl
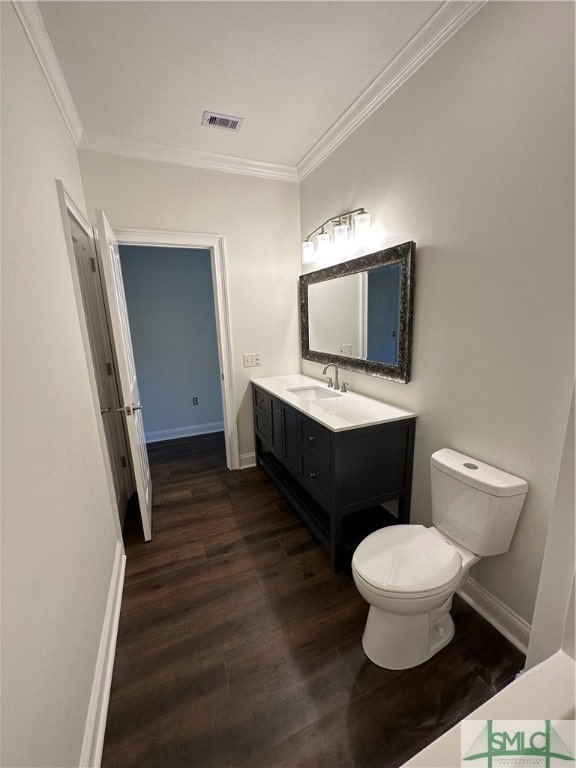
point(409, 573)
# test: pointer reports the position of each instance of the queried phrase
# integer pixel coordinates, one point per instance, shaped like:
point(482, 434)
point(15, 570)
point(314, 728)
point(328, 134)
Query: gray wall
point(473, 159)
point(171, 310)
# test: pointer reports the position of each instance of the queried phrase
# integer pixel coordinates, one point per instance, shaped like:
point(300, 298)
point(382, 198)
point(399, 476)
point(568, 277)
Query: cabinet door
point(262, 421)
point(285, 434)
point(315, 460)
point(263, 427)
point(277, 445)
point(315, 477)
point(261, 400)
point(316, 439)
point(291, 442)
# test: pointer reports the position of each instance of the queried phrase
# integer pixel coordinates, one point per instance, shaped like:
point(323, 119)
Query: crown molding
point(144, 150)
point(37, 34)
point(447, 20)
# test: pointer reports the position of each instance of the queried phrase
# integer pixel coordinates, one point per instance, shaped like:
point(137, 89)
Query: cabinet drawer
point(263, 427)
point(315, 476)
point(261, 401)
point(316, 439)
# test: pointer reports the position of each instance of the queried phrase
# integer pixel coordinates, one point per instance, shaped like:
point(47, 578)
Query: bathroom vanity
point(336, 457)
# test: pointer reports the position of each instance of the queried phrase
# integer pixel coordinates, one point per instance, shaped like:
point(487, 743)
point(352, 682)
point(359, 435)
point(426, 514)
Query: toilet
point(409, 573)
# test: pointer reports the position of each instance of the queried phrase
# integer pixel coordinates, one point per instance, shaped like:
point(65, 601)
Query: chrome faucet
point(336, 385)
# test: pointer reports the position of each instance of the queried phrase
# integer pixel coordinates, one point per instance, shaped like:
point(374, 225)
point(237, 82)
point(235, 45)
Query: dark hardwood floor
point(239, 648)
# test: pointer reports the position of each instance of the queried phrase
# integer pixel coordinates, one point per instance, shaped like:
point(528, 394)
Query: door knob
point(129, 409)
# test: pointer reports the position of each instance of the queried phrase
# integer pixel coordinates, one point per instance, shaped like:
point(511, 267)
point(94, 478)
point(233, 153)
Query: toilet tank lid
point(477, 474)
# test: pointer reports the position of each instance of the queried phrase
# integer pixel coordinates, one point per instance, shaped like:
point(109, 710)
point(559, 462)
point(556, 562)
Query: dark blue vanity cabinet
point(336, 480)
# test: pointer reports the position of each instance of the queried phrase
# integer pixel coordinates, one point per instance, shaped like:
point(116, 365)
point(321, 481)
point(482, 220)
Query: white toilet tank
point(474, 504)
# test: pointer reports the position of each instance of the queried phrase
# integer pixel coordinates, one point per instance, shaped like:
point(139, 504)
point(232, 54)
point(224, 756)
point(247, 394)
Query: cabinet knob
point(311, 438)
point(312, 475)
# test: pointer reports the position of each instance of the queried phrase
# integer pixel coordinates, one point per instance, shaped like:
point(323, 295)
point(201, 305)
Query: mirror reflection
point(367, 323)
point(358, 313)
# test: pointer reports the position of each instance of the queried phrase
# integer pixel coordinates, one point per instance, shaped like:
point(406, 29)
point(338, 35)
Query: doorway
point(170, 300)
point(214, 245)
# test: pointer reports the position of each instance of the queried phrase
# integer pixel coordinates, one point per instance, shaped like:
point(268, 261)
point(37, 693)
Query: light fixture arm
point(334, 219)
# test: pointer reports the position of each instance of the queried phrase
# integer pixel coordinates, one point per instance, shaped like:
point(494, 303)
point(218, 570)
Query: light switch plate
point(252, 359)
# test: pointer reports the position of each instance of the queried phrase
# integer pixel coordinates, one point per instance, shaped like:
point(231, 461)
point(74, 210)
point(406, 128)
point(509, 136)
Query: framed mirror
point(358, 314)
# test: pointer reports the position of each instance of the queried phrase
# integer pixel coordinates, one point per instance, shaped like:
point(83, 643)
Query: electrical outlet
point(194, 401)
point(346, 350)
point(251, 359)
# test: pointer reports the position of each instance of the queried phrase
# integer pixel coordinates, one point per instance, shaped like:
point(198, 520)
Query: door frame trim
point(69, 208)
point(214, 244)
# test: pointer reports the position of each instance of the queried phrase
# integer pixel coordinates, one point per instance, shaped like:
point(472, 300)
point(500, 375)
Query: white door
point(102, 359)
point(122, 342)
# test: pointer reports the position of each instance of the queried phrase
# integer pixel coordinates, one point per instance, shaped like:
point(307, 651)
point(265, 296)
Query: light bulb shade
point(340, 233)
point(362, 225)
point(323, 245)
point(308, 253)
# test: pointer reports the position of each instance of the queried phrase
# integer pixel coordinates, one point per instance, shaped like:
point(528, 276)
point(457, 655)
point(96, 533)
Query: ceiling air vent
point(227, 122)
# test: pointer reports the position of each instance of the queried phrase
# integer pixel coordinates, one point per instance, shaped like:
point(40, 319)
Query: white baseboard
point(190, 431)
point(247, 460)
point(504, 619)
point(93, 741)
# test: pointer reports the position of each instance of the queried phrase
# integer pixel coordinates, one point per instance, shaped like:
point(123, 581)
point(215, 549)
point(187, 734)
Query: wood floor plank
point(239, 648)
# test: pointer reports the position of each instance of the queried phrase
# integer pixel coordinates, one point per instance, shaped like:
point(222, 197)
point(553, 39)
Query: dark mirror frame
point(398, 254)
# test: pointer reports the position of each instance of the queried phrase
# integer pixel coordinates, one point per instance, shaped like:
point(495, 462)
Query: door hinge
point(92, 263)
point(123, 461)
point(109, 369)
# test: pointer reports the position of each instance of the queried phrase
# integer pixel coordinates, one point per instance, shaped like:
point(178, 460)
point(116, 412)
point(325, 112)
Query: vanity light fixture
point(346, 230)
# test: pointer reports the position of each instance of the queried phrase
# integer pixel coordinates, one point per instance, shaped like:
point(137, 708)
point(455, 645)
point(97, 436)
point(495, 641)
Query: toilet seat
point(407, 561)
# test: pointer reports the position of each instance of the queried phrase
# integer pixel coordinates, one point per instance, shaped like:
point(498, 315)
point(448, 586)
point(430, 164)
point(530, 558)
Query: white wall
point(473, 159)
point(58, 531)
point(553, 624)
point(259, 219)
point(170, 303)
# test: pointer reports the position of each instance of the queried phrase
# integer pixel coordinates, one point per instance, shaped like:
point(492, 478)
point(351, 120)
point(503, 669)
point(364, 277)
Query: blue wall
point(384, 313)
point(172, 322)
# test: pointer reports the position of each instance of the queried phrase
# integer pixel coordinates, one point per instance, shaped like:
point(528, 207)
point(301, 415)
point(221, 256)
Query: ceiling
point(301, 74)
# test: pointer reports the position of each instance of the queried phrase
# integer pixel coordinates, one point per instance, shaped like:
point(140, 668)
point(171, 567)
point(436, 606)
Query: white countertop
point(347, 411)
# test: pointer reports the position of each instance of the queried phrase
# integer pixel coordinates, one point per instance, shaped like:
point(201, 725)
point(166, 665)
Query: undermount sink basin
point(314, 393)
